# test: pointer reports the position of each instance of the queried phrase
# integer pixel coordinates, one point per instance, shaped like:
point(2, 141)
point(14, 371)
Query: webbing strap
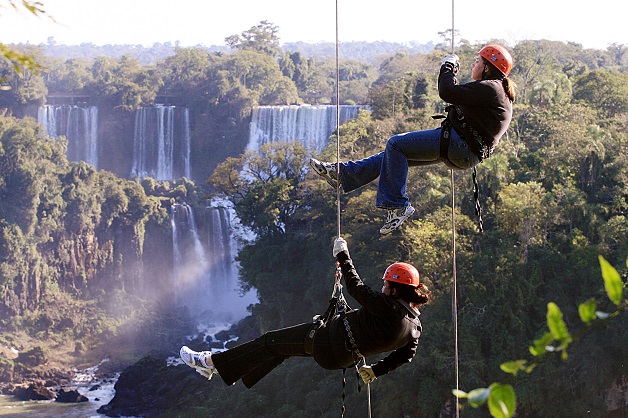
point(354, 345)
point(476, 198)
point(445, 137)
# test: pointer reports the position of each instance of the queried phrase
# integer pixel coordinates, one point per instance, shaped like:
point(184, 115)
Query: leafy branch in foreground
point(35, 7)
point(500, 398)
point(18, 60)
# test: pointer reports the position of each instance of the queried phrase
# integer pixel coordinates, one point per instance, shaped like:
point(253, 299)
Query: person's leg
point(403, 150)
point(265, 352)
point(355, 174)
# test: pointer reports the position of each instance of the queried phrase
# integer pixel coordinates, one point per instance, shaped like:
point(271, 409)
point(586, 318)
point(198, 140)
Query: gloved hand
point(340, 245)
point(452, 60)
point(367, 374)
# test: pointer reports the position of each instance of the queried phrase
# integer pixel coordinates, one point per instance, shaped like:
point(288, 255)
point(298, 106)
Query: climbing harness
point(472, 137)
point(338, 308)
point(445, 137)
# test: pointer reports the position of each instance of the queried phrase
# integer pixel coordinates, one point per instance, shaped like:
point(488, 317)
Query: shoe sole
point(324, 174)
point(384, 231)
point(184, 356)
point(205, 372)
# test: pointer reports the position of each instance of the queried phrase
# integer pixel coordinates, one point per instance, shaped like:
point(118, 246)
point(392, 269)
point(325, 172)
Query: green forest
point(554, 197)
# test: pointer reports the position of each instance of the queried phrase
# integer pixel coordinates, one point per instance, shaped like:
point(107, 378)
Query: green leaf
point(540, 345)
point(478, 397)
point(459, 393)
point(586, 310)
point(612, 282)
point(502, 401)
point(555, 323)
point(513, 367)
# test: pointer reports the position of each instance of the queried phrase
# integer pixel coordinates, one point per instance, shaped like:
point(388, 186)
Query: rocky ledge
point(39, 391)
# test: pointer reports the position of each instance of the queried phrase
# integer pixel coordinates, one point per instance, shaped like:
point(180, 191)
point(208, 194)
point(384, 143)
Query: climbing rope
point(454, 292)
point(453, 242)
point(338, 285)
point(337, 127)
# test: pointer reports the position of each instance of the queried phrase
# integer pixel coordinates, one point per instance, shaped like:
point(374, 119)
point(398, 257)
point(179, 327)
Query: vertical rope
point(454, 287)
point(337, 127)
point(338, 211)
point(453, 242)
point(453, 47)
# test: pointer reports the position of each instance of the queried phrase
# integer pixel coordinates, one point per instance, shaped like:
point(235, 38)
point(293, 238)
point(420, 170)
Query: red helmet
point(498, 56)
point(402, 273)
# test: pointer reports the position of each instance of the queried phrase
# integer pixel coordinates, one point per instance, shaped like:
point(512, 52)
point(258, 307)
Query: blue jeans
point(391, 166)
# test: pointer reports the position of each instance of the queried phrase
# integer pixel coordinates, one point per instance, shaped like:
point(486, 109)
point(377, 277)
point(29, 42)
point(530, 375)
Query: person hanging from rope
point(386, 321)
point(478, 115)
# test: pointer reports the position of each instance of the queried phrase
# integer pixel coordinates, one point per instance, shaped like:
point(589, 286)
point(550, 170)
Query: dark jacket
point(483, 105)
point(380, 325)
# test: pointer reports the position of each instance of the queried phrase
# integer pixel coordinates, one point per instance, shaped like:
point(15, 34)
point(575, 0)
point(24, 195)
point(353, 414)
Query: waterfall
point(205, 271)
point(311, 125)
point(187, 141)
point(78, 124)
point(161, 142)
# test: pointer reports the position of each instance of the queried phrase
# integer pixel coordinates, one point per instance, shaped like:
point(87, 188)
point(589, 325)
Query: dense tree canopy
point(549, 196)
point(553, 197)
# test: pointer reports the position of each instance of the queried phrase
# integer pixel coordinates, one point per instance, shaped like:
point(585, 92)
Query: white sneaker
point(326, 171)
point(200, 361)
point(395, 218)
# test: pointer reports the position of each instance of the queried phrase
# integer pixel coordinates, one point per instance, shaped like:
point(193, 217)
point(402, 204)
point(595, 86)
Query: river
point(98, 391)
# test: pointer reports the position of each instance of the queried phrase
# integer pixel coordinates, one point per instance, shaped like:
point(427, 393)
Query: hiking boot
point(326, 171)
point(395, 218)
point(200, 361)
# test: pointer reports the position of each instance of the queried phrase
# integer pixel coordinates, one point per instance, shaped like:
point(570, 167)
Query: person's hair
point(494, 74)
point(417, 295)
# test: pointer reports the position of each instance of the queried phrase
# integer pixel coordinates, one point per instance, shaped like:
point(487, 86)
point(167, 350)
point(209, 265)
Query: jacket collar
point(413, 311)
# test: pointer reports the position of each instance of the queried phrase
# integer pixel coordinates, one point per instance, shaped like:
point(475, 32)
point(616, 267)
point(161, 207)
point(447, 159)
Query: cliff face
point(65, 227)
point(84, 264)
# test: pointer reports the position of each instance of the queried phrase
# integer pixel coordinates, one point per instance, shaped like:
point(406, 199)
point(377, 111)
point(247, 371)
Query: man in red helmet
point(386, 321)
point(479, 114)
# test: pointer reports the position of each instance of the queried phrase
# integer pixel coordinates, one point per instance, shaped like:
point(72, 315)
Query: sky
point(209, 22)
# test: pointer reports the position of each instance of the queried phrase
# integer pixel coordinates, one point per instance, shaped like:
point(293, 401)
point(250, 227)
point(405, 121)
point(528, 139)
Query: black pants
point(253, 360)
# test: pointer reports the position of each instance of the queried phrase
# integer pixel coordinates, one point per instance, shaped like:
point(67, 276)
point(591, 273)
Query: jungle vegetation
point(554, 197)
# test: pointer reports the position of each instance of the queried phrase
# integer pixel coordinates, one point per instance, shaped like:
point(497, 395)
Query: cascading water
point(310, 125)
point(161, 142)
point(78, 124)
point(206, 275)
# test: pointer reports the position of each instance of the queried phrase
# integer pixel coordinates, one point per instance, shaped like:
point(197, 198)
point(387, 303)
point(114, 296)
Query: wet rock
point(223, 336)
point(34, 392)
point(150, 387)
point(70, 396)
